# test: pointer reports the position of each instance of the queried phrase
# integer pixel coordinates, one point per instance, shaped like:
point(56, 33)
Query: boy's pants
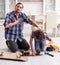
point(39, 45)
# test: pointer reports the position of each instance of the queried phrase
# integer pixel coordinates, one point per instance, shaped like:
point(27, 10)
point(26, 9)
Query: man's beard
point(17, 11)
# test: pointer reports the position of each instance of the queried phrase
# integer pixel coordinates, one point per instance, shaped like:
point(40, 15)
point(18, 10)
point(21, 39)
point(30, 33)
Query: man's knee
point(27, 47)
point(12, 46)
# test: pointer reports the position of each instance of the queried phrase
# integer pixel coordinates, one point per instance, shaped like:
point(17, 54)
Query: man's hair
point(39, 35)
point(20, 4)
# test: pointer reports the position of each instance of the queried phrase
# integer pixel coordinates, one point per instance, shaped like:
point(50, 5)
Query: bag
point(52, 48)
point(55, 47)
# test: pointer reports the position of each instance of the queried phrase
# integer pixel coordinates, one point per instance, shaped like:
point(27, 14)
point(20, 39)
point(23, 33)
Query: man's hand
point(13, 23)
point(36, 25)
point(17, 21)
point(39, 28)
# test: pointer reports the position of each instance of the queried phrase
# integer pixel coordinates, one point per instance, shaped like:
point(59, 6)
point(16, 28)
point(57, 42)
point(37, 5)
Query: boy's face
point(18, 8)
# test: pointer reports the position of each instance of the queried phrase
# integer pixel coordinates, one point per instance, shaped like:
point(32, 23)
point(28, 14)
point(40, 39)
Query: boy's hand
point(33, 53)
point(45, 48)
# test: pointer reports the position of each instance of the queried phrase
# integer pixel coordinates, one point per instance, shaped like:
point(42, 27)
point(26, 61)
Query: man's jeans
point(15, 46)
point(39, 45)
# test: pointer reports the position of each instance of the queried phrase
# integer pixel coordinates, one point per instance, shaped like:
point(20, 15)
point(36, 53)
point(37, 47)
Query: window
point(49, 5)
point(30, 0)
point(2, 9)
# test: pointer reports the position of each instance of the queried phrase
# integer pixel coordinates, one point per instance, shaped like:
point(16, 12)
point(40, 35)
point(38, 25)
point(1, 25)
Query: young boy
point(40, 38)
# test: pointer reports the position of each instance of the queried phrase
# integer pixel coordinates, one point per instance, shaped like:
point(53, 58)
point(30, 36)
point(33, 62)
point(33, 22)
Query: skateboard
point(32, 55)
point(13, 57)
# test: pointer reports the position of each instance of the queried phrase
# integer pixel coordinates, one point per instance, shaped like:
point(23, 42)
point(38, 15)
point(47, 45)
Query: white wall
point(58, 7)
point(58, 11)
point(2, 8)
point(9, 5)
point(6, 6)
point(35, 8)
point(51, 21)
point(12, 4)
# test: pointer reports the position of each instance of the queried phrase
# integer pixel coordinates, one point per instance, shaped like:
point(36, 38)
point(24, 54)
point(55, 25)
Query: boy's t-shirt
point(45, 34)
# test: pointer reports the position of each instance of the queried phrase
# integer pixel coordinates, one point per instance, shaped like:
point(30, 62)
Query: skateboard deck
point(14, 58)
point(32, 55)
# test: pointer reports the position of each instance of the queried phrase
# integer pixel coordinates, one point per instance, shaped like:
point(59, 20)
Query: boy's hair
point(39, 35)
point(20, 4)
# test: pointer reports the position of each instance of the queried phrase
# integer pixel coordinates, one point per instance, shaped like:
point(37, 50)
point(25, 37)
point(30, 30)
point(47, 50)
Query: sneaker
point(22, 51)
point(37, 52)
point(26, 53)
point(18, 54)
point(1, 53)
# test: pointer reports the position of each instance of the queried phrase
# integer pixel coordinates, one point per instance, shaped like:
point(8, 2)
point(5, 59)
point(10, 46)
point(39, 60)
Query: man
point(13, 29)
point(40, 41)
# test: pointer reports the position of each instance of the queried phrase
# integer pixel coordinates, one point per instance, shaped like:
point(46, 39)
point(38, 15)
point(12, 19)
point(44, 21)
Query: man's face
point(18, 8)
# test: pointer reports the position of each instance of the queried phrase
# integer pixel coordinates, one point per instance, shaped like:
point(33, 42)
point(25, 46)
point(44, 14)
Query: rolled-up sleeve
point(7, 20)
point(26, 19)
point(47, 37)
point(32, 34)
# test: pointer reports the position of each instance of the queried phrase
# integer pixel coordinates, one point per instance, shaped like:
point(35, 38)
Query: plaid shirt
point(15, 31)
